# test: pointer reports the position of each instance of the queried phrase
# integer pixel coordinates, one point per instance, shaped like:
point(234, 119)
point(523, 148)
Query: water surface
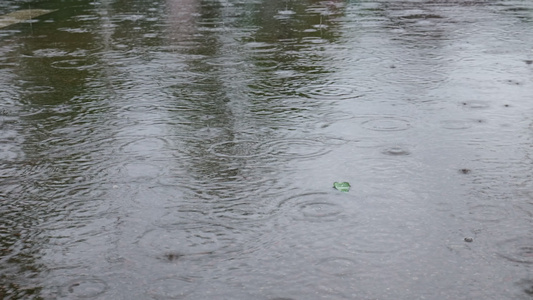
point(187, 149)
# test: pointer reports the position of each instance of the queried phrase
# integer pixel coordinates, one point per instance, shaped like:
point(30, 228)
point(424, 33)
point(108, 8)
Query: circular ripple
point(84, 288)
point(337, 116)
point(396, 151)
point(171, 288)
point(487, 213)
point(73, 64)
point(238, 149)
point(313, 207)
point(260, 48)
point(456, 124)
point(337, 266)
point(266, 64)
point(518, 250)
point(387, 124)
point(330, 92)
point(145, 145)
point(141, 170)
point(184, 239)
point(378, 243)
point(224, 62)
point(296, 148)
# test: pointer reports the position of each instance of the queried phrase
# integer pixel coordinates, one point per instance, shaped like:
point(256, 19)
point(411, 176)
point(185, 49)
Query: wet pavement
point(187, 149)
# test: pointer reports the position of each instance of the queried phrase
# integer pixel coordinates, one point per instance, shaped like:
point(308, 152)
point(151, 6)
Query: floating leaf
point(342, 186)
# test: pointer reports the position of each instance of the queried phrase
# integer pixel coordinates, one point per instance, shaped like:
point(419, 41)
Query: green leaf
point(342, 186)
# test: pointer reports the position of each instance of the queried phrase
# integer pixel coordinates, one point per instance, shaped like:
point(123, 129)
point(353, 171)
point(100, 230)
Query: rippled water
point(186, 149)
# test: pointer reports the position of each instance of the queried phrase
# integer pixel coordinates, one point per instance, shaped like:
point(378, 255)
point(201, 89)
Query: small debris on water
point(469, 239)
point(342, 186)
point(465, 171)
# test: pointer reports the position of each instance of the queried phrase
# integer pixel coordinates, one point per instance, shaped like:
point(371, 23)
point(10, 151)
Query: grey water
point(187, 149)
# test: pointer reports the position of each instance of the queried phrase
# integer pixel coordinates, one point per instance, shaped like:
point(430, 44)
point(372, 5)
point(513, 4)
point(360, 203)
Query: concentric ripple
point(297, 148)
point(396, 151)
point(456, 124)
point(238, 149)
point(84, 288)
point(387, 124)
point(377, 242)
point(171, 287)
point(519, 250)
point(314, 207)
point(488, 213)
point(145, 145)
point(140, 170)
point(330, 92)
point(337, 266)
point(185, 239)
point(73, 64)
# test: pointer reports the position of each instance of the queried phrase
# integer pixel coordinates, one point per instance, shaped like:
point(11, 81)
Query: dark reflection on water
point(186, 149)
